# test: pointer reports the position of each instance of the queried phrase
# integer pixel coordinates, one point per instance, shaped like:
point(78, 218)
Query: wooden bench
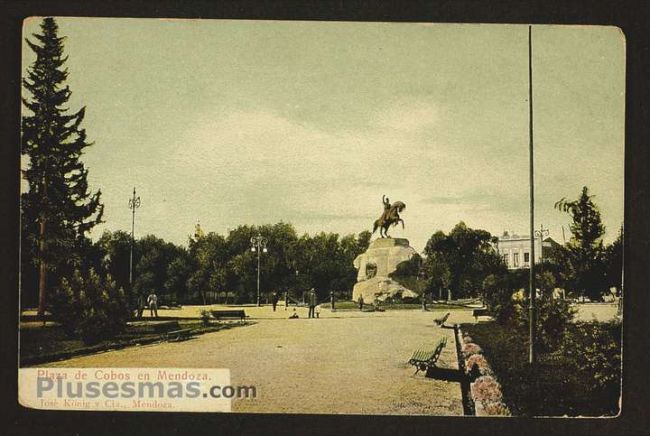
point(423, 359)
point(229, 314)
point(441, 321)
point(479, 312)
point(178, 335)
point(164, 326)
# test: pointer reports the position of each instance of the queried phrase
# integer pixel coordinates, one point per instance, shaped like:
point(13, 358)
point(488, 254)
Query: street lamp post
point(541, 233)
point(134, 203)
point(258, 244)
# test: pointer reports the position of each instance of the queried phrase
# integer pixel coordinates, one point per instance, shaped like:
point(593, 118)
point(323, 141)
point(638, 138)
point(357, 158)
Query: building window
point(526, 258)
point(515, 259)
point(505, 259)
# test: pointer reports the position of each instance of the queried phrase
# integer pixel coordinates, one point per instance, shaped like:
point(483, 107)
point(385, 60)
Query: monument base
point(381, 259)
point(380, 289)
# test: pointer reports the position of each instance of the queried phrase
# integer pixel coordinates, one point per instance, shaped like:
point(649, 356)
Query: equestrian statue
point(389, 217)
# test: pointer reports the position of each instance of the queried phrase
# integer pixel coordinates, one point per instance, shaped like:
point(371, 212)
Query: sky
point(230, 122)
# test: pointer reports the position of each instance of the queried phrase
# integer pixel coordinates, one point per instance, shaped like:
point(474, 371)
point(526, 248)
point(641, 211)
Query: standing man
point(140, 304)
point(311, 300)
point(286, 300)
point(274, 300)
point(361, 302)
point(332, 301)
point(152, 301)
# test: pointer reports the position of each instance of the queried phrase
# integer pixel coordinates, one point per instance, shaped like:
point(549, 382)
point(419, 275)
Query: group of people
point(152, 304)
point(311, 301)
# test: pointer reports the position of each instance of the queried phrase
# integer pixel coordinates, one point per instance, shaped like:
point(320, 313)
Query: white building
point(515, 249)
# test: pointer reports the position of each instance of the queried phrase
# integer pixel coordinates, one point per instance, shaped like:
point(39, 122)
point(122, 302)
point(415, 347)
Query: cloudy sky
point(251, 122)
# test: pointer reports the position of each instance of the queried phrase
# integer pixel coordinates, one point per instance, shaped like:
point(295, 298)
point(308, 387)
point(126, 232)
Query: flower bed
point(485, 390)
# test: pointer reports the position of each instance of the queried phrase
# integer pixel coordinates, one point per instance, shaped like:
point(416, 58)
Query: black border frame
point(632, 17)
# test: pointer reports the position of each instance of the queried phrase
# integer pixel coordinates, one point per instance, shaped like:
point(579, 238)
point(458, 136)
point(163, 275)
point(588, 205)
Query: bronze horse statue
point(388, 218)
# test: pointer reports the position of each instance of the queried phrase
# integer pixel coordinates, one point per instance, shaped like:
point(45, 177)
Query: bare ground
point(344, 362)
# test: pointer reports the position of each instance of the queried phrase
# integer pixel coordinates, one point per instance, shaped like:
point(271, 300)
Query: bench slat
point(426, 358)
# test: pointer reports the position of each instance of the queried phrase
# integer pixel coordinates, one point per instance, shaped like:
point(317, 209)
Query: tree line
point(216, 268)
point(58, 210)
point(466, 261)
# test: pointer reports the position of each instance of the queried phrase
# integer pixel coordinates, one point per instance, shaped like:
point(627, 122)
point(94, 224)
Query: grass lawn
point(51, 343)
point(555, 388)
point(351, 305)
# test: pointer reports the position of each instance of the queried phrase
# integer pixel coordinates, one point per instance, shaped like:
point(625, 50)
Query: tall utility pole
point(134, 203)
point(532, 292)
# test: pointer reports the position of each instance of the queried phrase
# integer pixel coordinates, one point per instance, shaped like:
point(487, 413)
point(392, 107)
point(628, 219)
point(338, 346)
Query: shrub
point(486, 389)
point(477, 366)
point(471, 348)
point(498, 408)
point(553, 319)
point(594, 348)
point(498, 298)
point(65, 306)
point(91, 307)
point(205, 317)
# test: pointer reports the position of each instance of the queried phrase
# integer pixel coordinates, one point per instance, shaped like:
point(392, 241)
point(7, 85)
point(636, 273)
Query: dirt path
point(345, 362)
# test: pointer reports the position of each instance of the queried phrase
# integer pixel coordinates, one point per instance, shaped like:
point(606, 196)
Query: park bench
point(441, 321)
point(425, 358)
point(162, 326)
point(229, 314)
point(178, 335)
point(479, 312)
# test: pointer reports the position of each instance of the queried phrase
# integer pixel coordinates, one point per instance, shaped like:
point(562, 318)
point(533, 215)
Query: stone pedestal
point(380, 259)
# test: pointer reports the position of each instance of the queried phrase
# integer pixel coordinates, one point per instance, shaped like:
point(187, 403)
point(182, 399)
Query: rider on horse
point(389, 217)
point(386, 201)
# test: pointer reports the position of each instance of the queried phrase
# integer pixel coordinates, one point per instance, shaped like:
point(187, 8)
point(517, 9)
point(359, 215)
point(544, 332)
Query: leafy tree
point(467, 254)
point(614, 264)
point(152, 266)
point(58, 208)
point(178, 273)
point(585, 250)
point(115, 252)
point(363, 241)
point(436, 274)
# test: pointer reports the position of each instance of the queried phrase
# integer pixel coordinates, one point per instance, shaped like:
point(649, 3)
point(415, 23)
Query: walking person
point(152, 301)
point(286, 300)
point(311, 300)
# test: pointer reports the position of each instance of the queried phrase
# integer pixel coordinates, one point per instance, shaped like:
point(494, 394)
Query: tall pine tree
point(585, 251)
point(58, 209)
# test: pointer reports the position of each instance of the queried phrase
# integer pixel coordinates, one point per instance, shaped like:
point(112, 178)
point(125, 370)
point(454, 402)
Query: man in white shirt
point(152, 301)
